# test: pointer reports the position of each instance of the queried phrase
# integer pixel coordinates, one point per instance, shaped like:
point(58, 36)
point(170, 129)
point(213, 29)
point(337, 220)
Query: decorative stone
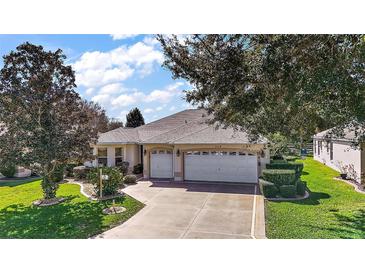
point(49, 202)
point(114, 210)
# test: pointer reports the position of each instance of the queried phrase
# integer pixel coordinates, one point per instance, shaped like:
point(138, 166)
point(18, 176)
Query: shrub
point(110, 186)
point(69, 169)
point(301, 187)
point(130, 179)
point(268, 189)
point(290, 158)
point(137, 169)
point(57, 175)
point(277, 157)
point(288, 191)
point(282, 161)
point(80, 172)
point(8, 170)
point(124, 167)
point(297, 167)
point(279, 176)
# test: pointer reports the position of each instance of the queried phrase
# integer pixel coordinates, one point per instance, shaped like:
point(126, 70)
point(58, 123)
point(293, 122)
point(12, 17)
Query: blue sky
point(119, 72)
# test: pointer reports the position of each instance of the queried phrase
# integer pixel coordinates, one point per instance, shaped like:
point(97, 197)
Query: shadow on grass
point(305, 173)
point(345, 226)
point(65, 220)
point(17, 182)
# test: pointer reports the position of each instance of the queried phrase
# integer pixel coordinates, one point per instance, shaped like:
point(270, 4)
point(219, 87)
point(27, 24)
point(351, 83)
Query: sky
point(119, 71)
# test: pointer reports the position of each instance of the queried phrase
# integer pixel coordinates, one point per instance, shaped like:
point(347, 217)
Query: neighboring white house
point(183, 146)
point(340, 153)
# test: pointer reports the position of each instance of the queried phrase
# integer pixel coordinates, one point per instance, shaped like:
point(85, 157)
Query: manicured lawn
point(77, 217)
point(333, 210)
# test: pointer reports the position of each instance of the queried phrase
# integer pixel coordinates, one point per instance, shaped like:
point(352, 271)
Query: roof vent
point(186, 121)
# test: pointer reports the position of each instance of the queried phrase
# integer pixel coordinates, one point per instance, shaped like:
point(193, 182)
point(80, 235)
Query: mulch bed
point(49, 202)
point(298, 198)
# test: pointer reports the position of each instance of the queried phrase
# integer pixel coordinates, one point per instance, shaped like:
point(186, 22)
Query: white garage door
point(221, 166)
point(161, 164)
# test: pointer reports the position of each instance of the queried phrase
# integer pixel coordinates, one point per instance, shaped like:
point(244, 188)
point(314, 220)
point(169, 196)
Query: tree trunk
point(49, 188)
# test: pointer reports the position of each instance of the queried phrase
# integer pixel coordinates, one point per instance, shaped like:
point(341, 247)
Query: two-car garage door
point(221, 166)
point(215, 166)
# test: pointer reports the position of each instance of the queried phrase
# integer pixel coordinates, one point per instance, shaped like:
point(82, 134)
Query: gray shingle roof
point(348, 133)
point(185, 127)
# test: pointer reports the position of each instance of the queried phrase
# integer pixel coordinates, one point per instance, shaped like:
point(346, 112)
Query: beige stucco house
point(184, 146)
point(343, 154)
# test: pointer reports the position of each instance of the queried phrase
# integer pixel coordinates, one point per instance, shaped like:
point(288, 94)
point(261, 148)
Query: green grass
point(333, 210)
point(77, 217)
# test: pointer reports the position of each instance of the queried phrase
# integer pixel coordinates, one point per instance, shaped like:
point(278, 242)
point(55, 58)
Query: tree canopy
point(44, 121)
point(134, 118)
point(294, 85)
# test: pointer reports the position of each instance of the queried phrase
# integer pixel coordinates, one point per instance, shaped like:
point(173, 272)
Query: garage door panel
point(161, 165)
point(225, 168)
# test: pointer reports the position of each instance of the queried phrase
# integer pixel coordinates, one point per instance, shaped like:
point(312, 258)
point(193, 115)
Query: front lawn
point(77, 217)
point(333, 210)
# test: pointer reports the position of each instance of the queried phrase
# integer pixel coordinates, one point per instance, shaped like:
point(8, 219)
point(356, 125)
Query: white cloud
point(102, 99)
point(112, 89)
point(94, 69)
point(122, 115)
point(159, 95)
point(122, 36)
point(159, 108)
point(89, 91)
point(127, 100)
point(172, 108)
point(148, 110)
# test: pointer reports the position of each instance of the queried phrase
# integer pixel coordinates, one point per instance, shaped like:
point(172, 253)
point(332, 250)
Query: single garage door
point(221, 166)
point(161, 164)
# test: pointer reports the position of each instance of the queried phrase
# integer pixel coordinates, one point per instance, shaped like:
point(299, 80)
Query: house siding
point(343, 154)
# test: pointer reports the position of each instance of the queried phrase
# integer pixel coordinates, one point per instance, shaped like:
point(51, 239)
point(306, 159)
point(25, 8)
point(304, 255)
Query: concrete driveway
point(193, 210)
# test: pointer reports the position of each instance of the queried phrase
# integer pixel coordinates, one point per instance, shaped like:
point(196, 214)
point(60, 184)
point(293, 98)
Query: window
point(232, 153)
point(102, 157)
point(328, 146)
point(196, 153)
point(154, 151)
point(214, 153)
point(331, 151)
point(168, 152)
point(241, 153)
point(319, 147)
point(189, 153)
point(224, 153)
point(205, 153)
point(161, 152)
point(118, 156)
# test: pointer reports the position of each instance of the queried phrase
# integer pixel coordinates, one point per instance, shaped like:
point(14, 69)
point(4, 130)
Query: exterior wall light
point(178, 153)
point(144, 152)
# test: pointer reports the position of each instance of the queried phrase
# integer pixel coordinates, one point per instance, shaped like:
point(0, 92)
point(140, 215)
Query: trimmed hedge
point(288, 191)
point(291, 158)
point(279, 161)
point(268, 189)
point(137, 169)
point(130, 179)
point(297, 167)
point(279, 177)
point(301, 187)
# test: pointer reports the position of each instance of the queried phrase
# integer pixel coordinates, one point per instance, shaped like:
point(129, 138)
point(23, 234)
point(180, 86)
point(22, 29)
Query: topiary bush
point(138, 169)
point(58, 173)
point(301, 188)
point(290, 158)
point(268, 189)
point(279, 176)
point(288, 191)
point(110, 186)
point(297, 167)
point(80, 172)
point(130, 179)
point(8, 170)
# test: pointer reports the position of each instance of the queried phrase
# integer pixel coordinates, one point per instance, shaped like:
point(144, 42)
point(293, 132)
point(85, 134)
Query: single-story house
point(183, 146)
point(344, 154)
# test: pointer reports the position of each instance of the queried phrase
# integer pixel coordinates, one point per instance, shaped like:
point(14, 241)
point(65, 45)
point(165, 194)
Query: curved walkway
point(193, 210)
